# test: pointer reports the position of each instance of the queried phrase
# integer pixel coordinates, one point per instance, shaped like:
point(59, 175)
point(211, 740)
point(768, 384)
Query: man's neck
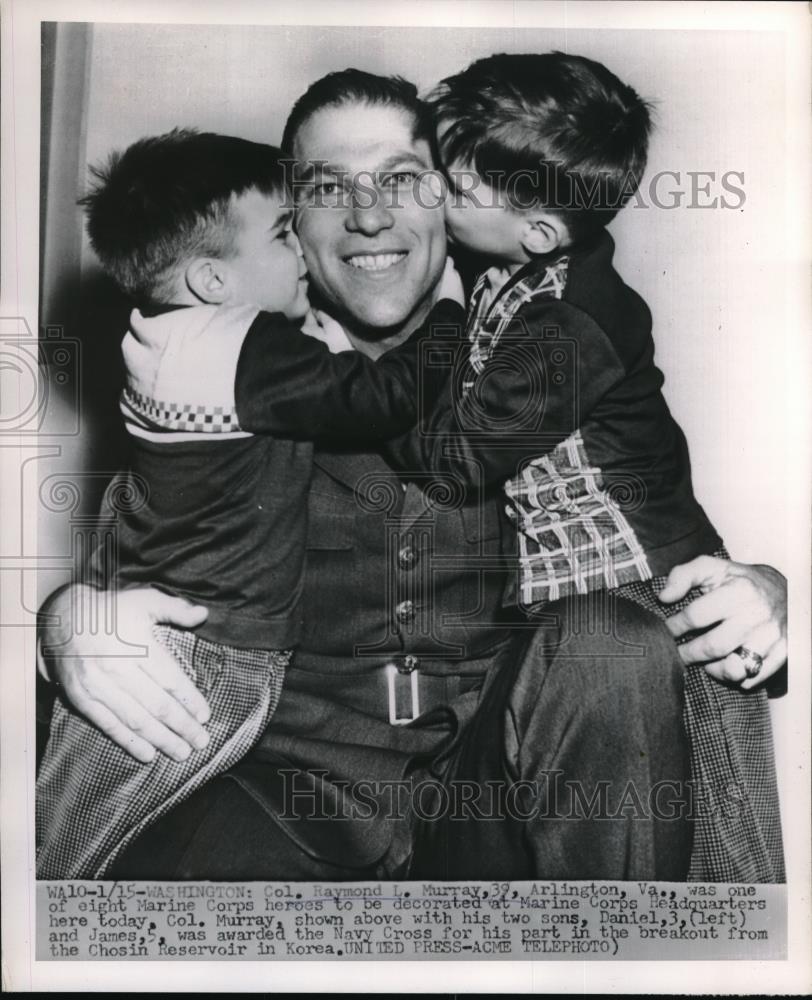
point(374, 348)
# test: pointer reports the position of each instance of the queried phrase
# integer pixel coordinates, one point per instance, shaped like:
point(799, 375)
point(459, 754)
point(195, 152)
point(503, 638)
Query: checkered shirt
point(93, 798)
point(572, 532)
point(489, 315)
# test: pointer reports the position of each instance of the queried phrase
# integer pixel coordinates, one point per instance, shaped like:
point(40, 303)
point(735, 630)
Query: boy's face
point(267, 270)
point(479, 218)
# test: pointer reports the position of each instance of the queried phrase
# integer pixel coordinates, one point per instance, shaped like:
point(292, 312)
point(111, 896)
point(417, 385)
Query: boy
point(557, 396)
point(558, 393)
point(196, 229)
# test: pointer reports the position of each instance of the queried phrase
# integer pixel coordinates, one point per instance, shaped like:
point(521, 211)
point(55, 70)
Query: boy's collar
point(595, 242)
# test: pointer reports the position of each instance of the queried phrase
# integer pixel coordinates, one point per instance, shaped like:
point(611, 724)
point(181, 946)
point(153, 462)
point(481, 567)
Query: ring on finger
point(752, 661)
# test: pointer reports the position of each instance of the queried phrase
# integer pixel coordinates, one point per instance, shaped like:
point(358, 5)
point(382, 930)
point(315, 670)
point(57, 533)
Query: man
point(404, 622)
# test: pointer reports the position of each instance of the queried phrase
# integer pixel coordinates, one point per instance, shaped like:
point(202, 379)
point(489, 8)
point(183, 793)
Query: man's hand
point(143, 701)
point(746, 604)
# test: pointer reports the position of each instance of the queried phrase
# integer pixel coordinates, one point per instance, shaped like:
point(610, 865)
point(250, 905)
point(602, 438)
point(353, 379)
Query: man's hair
point(577, 134)
point(354, 86)
point(169, 198)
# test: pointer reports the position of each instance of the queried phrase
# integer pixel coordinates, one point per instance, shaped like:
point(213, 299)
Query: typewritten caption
point(119, 921)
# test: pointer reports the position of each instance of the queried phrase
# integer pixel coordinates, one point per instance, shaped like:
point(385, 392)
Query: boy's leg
point(93, 797)
point(223, 833)
point(578, 753)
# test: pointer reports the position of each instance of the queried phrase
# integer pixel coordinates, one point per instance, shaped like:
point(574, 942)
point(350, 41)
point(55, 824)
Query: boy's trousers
point(93, 798)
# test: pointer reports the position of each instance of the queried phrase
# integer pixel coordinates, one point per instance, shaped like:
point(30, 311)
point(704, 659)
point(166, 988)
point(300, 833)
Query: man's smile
point(375, 261)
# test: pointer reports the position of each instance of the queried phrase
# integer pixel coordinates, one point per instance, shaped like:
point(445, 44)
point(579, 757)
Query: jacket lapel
point(368, 475)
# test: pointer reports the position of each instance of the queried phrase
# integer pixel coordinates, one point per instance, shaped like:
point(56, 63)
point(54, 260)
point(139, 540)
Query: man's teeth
point(375, 262)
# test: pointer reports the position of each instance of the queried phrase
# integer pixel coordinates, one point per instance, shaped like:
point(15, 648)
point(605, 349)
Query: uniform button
point(410, 663)
point(407, 557)
point(404, 612)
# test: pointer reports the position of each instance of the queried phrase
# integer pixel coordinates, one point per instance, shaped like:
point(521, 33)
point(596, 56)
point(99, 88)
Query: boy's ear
point(207, 279)
point(542, 233)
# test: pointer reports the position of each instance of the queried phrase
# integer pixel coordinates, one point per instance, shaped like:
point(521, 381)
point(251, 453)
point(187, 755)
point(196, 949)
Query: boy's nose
point(294, 244)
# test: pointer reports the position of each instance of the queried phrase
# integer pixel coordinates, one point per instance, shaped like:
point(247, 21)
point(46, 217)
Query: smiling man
point(418, 708)
point(374, 247)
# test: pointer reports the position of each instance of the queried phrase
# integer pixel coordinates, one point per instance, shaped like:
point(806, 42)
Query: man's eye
point(398, 178)
point(325, 192)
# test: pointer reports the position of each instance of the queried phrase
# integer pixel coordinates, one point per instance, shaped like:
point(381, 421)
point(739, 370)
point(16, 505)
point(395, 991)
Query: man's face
point(372, 232)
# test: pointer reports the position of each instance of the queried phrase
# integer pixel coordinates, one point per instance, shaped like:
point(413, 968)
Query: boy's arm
point(550, 368)
point(291, 385)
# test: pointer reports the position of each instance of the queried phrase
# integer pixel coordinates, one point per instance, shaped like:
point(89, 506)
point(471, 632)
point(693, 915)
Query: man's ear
point(542, 233)
point(207, 279)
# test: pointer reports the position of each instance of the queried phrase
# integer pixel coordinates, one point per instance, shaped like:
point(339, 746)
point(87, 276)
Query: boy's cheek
point(299, 308)
point(454, 222)
point(450, 215)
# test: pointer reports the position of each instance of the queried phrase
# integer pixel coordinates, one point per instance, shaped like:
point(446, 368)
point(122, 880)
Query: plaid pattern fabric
point(573, 536)
point(489, 313)
point(92, 798)
point(175, 417)
point(572, 533)
point(737, 828)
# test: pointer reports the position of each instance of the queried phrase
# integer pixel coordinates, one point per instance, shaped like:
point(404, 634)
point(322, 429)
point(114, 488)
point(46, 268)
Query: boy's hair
point(551, 130)
point(354, 86)
point(167, 199)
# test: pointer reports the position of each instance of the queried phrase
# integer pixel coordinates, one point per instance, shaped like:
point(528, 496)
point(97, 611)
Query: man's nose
point(368, 214)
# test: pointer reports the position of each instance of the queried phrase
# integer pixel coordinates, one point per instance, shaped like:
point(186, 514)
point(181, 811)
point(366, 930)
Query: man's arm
point(145, 702)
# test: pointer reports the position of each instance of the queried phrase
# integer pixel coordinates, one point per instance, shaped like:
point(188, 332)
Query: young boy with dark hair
point(558, 394)
point(224, 396)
